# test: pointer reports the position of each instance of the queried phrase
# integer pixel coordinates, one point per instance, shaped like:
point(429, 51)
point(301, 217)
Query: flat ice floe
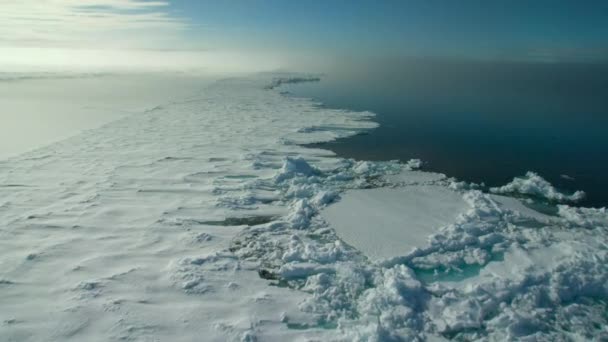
point(201, 220)
point(385, 223)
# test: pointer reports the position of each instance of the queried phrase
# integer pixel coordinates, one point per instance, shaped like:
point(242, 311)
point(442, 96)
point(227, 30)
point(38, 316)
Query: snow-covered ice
point(533, 184)
point(205, 219)
point(41, 108)
point(385, 223)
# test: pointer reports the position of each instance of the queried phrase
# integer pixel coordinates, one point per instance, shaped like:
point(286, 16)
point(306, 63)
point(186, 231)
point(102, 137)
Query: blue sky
point(281, 31)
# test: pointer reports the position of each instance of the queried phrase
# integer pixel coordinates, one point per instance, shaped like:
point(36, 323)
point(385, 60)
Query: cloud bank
point(89, 23)
point(108, 35)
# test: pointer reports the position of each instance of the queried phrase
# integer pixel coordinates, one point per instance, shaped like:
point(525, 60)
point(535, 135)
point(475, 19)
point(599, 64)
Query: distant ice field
point(41, 108)
point(205, 218)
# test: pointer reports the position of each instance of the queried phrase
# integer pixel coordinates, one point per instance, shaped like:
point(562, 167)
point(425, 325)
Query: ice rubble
point(534, 185)
point(122, 217)
point(499, 271)
point(584, 217)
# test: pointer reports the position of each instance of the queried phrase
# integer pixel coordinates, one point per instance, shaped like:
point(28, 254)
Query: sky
point(272, 34)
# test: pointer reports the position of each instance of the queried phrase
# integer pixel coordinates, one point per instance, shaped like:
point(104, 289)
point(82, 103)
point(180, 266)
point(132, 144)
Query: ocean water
point(479, 122)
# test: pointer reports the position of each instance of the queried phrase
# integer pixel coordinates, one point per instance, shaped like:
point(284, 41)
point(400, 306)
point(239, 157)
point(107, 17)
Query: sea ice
point(534, 185)
point(205, 219)
point(385, 223)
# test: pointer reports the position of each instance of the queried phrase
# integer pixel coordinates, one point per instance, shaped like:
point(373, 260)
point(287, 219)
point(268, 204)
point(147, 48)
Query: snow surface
point(200, 220)
point(385, 223)
point(41, 108)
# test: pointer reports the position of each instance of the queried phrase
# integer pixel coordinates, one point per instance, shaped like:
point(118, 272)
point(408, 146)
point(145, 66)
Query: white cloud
point(60, 35)
point(89, 23)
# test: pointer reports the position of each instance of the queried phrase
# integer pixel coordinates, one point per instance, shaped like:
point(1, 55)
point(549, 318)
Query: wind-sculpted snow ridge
point(534, 185)
point(201, 220)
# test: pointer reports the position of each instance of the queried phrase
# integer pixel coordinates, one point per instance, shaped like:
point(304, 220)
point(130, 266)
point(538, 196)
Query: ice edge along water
point(201, 219)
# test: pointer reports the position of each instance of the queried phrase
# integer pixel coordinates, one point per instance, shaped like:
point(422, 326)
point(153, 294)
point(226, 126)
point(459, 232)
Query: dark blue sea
point(479, 121)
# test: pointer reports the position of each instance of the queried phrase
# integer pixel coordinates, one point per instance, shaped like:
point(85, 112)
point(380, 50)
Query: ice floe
point(388, 222)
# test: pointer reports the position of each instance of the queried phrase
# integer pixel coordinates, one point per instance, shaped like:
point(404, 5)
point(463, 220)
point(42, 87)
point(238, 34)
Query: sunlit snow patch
point(385, 223)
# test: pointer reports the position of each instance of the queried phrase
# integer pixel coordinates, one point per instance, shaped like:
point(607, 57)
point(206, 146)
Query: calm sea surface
point(480, 122)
